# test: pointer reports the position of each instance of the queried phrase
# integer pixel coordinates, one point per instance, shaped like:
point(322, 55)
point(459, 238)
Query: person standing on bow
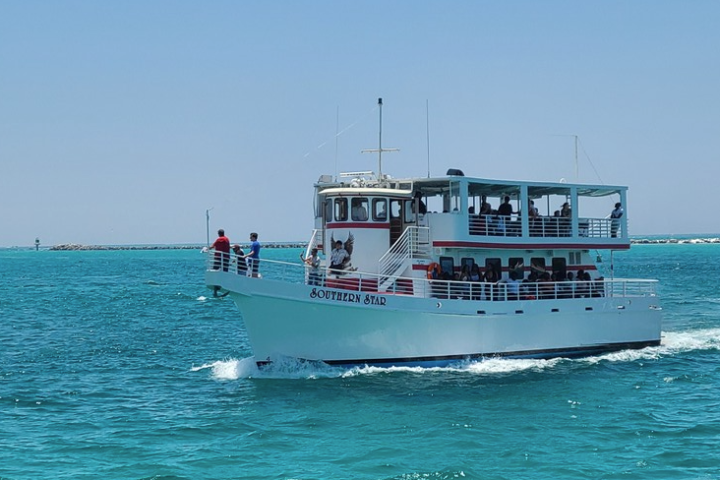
point(313, 263)
point(253, 258)
point(222, 251)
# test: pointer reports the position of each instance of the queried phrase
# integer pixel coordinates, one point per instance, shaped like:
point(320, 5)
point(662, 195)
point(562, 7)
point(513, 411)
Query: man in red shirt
point(222, 251)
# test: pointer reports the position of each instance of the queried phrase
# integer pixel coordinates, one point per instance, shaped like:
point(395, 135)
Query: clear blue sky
point(122, 122)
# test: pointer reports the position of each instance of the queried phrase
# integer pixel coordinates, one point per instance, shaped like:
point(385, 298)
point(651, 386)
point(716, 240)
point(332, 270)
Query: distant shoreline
point(74, 247)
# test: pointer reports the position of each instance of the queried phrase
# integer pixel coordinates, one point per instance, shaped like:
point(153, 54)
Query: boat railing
point(429, 288)
point(548, 227)
point(315, 240)
point(413, 243)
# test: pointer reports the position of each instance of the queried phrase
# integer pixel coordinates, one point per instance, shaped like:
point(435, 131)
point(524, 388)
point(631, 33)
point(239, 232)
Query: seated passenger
point(485, 208)
point(338, 257)
point(512, 286)
point(491, 289)
point(358, 211)
point(475, 279)
point(464, 285)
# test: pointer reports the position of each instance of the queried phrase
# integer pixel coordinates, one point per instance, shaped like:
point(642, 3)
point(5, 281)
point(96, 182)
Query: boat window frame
point(355, 214)
point(517, 265)
point(494, 264)
point(393, 202)
point(538, 265)
point(340, 209)
point(443, 261)
point(469, 261)
point(559, 267)
point(376, 214)
point(328, 210)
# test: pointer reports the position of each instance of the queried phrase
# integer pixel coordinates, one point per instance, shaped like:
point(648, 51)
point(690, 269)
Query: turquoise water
point(121, 365)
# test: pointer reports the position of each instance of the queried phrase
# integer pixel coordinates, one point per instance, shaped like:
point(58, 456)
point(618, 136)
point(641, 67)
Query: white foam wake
point(673, 343)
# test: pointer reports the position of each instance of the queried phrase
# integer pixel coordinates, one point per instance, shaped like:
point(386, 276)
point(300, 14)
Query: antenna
point(207, 225)
point(577, 175)
point(577, 139)
point(427, 132)
point(337, 138)
point(379, 150)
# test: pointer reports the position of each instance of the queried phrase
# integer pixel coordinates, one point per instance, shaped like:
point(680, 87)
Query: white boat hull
point(349, 327)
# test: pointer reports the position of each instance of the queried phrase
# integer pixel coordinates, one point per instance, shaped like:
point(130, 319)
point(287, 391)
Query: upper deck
point(468, 212)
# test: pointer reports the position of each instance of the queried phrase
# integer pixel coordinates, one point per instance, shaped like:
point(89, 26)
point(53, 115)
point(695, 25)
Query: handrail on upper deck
point(548, 227)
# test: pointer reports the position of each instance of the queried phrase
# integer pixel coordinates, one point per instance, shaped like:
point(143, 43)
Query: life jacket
point(433, 271)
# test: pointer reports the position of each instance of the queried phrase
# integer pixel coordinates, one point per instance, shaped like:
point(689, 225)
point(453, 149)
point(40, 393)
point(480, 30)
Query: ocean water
point(121, 365)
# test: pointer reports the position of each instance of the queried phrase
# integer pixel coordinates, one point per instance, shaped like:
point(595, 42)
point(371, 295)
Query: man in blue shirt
point(254, 256)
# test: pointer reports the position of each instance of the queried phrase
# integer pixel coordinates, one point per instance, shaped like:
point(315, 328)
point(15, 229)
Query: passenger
point(313, 263)
point(382, 213)
point(519, 268)
point(475, 285)
point(529, 287)
point(506, 207)
point(338, 258)
point(505, 211)
point(240, 260)
point(422, 208)
point(565, 220)
point(615, 217)
point(532, 211)
point(546, 286)
point(253, 258)
point(566, 211)
point(512, 286)
point(222, 251)
point(464, 284)
point(358, 211)
point(491, 289)
point(485, 208)
point(583, 285)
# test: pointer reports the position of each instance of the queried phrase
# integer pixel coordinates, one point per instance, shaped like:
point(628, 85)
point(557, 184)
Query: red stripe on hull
point(368, 225)
point(530, 246)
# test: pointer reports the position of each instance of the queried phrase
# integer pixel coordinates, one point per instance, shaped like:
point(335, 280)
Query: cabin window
point(575, 258)
point(328, 210)
point(515, 264)
point(359, 210)
point(495, 265)
point(395, 208)
point(341, 209)
point(537, 266)
point(447, 268)
point(559, 268)
point(467, 261)
point(379, 209)
point(409, 211)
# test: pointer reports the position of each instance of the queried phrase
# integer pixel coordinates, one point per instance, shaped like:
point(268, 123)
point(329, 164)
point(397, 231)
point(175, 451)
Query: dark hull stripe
point(567, 352)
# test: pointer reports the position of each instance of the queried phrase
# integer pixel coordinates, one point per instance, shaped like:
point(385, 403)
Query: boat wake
point(673, 343)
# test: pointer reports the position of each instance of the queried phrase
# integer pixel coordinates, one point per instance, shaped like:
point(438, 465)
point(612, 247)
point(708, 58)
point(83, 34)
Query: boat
point(408, 293)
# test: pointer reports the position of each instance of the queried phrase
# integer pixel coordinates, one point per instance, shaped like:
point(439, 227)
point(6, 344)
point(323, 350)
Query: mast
point(380, 141)
point(380, 150)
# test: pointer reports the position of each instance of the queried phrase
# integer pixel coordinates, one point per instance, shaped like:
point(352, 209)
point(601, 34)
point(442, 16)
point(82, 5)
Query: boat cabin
point(456, 220)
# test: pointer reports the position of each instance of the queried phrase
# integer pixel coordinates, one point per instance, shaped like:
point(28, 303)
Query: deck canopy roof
point(498, 188)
